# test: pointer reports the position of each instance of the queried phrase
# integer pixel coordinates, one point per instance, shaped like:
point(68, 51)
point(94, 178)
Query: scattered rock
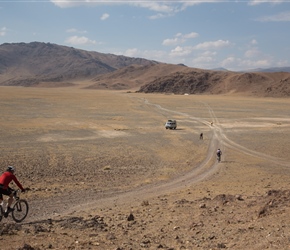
point(221, 245)
point(111, 236)
point(9, 229)
point(203, 205)
point(145, 203)
point(27, 247)
point(131, 217)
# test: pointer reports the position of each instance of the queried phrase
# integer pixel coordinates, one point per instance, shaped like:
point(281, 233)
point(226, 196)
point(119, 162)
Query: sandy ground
point(104, 173)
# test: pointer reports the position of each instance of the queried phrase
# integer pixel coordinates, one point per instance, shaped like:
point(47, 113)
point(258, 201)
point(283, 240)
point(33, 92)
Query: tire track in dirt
point(222, 138)
point(86, 202)
point(203, 170)
point(231, 144)
point(68, 204)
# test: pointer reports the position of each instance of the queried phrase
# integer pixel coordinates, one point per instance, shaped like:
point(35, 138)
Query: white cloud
point(132, 52)
point(212, 45)
point(79, 40)
point(209, 59)
point(73, 30)
point(253, 52)
point(206, 59)
point(281, 17)
point(105, 16)
point(255, 64)
point(168, 6)
point(256, 2)
point(172, 41)
point(282, 63)
point(209, 53)
point(3, 31)
point(157, 16)
point(181, 51)
point(179, 38)
point(157, 55)
point(252, 58)
point(191, 35)
point(254, 42)
point(158, 6)
point(199, 61)
point(234, 63)
point(229, 61)
point(190, 3)
point(66, 3)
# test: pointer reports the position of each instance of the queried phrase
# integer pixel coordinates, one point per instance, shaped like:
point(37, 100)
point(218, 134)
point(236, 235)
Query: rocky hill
point(134, 76)
point(179, 79)
point(29, 64)
point(219, 82)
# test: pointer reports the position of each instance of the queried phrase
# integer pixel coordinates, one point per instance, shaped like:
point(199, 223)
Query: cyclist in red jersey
point(5, 180)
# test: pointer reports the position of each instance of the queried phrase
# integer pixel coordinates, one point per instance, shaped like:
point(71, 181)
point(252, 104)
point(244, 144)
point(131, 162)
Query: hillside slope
point(28, 64)
point(134, 76)
point(50, 65)
point(220, 82)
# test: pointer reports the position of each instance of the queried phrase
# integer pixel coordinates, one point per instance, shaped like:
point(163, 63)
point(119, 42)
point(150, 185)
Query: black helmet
point(11, 169)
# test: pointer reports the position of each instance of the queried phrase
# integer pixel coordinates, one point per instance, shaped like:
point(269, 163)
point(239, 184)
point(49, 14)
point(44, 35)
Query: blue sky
point(236, 35)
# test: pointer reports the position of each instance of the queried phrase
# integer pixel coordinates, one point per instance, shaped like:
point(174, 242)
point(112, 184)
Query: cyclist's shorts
point(7, 191)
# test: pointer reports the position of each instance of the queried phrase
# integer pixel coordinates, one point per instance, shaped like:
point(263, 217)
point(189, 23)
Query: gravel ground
point(104, 173)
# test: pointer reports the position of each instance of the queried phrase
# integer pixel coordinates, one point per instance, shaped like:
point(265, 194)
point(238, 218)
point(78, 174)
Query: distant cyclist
point(5, 180)
point(219, 154)
point(201, 136)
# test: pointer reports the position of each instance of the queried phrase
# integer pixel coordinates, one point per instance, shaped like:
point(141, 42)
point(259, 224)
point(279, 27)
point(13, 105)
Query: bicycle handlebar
point(15, 192)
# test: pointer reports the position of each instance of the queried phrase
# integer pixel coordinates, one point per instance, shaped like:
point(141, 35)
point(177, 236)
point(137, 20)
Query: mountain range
point(39, 64)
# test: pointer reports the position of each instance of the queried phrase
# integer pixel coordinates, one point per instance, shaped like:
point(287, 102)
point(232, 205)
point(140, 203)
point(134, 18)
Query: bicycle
point(20, 208)
point(219, 158)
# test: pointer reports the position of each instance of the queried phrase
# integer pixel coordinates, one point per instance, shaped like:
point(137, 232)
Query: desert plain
point(104, 173)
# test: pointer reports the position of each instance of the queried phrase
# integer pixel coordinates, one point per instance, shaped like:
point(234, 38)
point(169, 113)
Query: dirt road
point(89, 200)
point(93, 157)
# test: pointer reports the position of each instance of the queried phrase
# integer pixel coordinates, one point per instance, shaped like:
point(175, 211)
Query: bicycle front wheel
point(20, 210)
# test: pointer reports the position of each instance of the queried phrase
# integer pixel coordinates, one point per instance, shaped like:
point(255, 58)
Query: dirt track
point(106, 153)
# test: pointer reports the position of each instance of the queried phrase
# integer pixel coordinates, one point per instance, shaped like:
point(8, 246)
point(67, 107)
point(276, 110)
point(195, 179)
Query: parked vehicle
point(171, 124)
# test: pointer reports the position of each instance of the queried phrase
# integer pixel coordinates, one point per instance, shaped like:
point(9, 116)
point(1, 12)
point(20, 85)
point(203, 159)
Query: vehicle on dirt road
point(171, 124)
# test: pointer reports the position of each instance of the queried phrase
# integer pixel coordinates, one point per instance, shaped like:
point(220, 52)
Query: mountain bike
point(219, 158)
point(20, 208)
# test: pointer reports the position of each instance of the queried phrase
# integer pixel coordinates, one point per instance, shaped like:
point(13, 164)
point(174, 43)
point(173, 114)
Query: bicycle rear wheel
point(20, 210)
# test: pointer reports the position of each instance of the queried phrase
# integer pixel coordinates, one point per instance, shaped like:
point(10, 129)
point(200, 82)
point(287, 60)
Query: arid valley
point(105, 174)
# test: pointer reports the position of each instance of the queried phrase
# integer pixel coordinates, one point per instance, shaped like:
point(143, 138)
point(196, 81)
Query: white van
point(171, 124)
